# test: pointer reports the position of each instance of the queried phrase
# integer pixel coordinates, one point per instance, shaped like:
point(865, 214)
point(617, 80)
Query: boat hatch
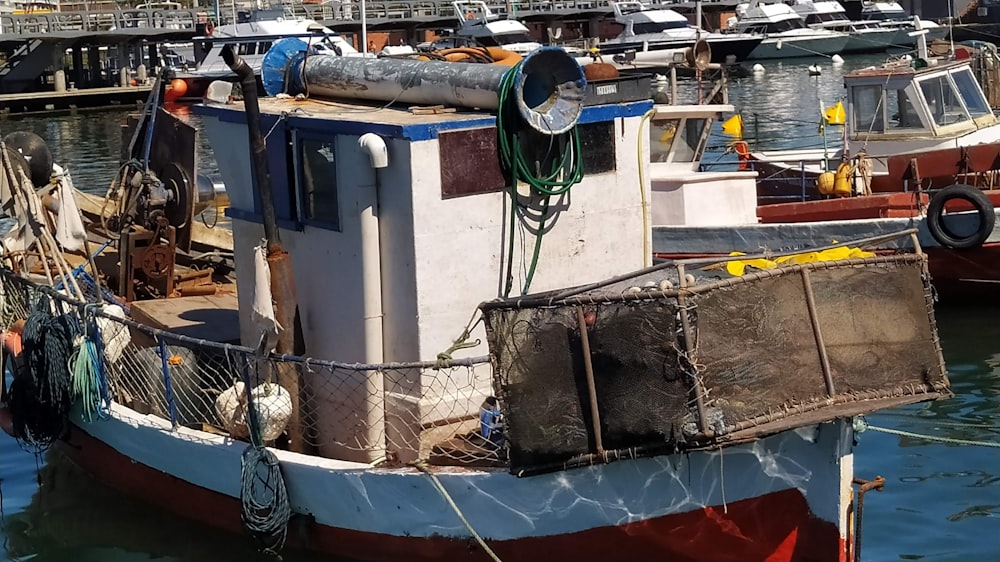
point(678, 134)
point(943, 102)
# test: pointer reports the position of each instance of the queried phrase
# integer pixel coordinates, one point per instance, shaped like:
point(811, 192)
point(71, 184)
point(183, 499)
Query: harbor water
point(941, 500)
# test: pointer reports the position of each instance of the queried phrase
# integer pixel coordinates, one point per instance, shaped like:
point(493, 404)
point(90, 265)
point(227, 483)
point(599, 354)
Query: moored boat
point(718, 211)
point(566, 425)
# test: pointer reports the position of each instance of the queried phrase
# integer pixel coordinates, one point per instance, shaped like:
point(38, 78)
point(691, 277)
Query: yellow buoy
point(842, 181)
point(824, 183)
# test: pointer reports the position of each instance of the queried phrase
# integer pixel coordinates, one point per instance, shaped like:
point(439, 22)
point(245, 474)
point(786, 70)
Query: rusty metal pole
point(279, 264)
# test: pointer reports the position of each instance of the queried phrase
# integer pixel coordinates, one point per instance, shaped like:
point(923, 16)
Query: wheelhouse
point(904, 101)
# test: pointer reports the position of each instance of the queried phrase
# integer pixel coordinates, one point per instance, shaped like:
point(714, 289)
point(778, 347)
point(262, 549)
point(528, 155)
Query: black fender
point(979, 201)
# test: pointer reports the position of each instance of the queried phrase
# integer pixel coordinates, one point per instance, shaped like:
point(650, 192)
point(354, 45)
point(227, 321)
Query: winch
point(158, 196)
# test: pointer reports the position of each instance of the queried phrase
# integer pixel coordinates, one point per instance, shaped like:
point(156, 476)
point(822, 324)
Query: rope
point(565, 170)
point(447, 497)
point(264, 499)
point(861, 425)
point(265, 509)
point(41, 398)
point(90, 383)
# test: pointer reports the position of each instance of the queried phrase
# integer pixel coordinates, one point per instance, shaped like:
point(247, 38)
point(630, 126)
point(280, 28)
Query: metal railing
point(101, 21)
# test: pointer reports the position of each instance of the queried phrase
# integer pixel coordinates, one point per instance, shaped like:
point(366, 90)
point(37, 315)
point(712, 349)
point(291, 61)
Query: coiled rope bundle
point(265, 510)
point(90, 381)
point(42, 396)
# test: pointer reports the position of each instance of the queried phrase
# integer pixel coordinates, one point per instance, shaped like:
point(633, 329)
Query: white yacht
point(785, 33)
point(891, 15)
point(867, 36)
point(478, 25)
point(648, 31)
point(251, 37)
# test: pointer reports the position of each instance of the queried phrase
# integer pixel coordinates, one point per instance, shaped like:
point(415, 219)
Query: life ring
point(209, 27)
point(742, 151)
point(980, 203)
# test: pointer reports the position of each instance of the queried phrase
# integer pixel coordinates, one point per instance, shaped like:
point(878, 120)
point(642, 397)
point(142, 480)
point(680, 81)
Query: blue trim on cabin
point(280, 153)
point(412, 132)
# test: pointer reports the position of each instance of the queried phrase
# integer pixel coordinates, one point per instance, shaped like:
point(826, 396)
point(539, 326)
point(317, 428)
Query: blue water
point(941, 502)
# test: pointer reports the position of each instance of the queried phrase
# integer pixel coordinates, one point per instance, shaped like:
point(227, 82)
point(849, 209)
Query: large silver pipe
point(549, 85)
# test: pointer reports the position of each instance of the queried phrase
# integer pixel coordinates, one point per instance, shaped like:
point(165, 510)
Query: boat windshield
point(657, 27)
point(504, 39)
point(823, 18)
point(943, 100)
point(677, 140)
point(971, 93)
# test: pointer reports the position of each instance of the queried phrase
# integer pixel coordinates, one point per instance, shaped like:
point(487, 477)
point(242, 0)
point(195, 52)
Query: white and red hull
point(785, 497)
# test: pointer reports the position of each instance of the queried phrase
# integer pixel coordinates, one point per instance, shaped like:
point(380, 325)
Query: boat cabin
point(394, 222)
point(765, 19)
point(912, 100)
point(478, 23)
point(640, 19)
point(681, 192)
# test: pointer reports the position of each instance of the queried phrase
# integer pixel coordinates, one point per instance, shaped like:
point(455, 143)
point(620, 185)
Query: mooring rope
point(43, 395)
point(451, 503)
point(861, 425)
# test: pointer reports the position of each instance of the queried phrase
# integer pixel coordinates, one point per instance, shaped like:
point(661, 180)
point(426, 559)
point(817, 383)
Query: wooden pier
point(70, 100)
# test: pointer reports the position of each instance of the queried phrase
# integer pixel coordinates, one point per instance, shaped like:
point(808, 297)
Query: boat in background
point(597, 406)
point(891, 15)
point(945, 190)
point(867, 36)
point(650, 30)
point(252, 37)
point(902, 117)
point(784, 32)
point(478, 25)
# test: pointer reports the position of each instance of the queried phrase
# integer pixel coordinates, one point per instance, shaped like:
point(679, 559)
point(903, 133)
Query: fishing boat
point(594, 405)
point(784, 32)
point(721, 210)
point(650, 30)
point(907, 113)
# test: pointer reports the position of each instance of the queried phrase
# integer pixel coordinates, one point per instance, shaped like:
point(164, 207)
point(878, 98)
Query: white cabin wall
point(330, 292)
point(459, 243)
point(440, 258)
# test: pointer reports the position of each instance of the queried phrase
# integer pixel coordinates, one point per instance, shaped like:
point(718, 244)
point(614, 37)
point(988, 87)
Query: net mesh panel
point(390, 414)
point(754, 357)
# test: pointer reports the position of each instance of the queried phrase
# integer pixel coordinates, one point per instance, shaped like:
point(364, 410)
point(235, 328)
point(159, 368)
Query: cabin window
point(656, 27)
point(598, 143)
point(317, 182)
point(971, 93)
point(868, 109)
point(902, 113)
point(676, 140)
point(943, 100)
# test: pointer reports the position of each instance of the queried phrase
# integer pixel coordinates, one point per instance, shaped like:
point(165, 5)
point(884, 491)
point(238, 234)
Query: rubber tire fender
point(979, 201)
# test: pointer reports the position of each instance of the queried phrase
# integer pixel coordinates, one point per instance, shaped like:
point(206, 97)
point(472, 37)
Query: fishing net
point(637, 369)
point(390, 414)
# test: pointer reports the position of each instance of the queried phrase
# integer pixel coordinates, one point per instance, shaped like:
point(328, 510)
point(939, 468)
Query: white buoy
point(837, 59)
point(758, 68)
point(815, 70)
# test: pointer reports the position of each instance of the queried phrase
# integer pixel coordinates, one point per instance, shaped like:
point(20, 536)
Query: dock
point(69, 100)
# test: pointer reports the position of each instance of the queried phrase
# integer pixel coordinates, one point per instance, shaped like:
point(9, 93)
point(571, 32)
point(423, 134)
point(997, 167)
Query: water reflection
point(89, 143)
point(73, 517)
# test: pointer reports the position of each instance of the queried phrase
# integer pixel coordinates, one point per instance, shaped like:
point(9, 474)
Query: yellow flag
point(835, 115)
point(733, 126)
